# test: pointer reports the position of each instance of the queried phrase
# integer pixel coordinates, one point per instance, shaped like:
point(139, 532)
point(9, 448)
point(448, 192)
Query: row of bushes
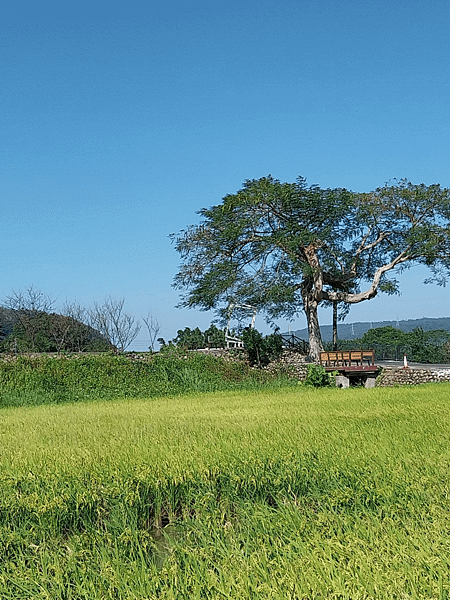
point(42, 379)
point(194, 339)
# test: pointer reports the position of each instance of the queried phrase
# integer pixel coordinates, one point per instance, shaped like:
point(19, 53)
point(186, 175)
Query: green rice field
point(289, 493)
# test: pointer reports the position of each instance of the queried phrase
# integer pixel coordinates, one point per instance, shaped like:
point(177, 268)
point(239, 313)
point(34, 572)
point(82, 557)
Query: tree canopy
point(288, 247)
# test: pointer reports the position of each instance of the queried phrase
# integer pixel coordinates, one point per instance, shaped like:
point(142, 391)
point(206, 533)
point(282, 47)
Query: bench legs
point(342, 381)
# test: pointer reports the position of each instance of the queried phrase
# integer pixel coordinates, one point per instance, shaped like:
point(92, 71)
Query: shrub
point(317, 376)
point(262, 350)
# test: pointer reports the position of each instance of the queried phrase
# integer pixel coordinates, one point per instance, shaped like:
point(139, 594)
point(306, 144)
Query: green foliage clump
point(317, 376)
point(262, 350)
point(194, 339)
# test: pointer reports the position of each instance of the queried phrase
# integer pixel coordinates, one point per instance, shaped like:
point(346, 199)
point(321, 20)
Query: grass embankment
point(33, 380)
point(289, 494)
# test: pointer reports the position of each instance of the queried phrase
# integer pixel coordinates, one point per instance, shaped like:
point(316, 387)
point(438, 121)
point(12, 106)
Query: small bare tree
point(112, 322)
point(59, 328)
point(80, 331)
point(153, 329)
point(75, 311)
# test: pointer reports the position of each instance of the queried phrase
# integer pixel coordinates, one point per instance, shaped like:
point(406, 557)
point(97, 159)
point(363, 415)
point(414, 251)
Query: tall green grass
point(45, 379)
point(295, 493)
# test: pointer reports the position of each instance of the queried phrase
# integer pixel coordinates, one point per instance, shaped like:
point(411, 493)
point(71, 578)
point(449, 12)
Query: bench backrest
point(347, 358)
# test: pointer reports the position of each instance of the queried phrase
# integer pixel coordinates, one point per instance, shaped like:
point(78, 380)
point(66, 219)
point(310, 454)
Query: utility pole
point(335, 322)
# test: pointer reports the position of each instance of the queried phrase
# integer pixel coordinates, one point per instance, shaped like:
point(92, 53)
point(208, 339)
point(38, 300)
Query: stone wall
point(407, 376)
point(291, 362)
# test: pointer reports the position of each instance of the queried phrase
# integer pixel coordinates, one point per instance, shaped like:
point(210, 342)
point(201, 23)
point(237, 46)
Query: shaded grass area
point(45, 379)
point(280, 494)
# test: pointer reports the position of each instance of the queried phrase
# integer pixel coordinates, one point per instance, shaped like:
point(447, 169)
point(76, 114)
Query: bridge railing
point(292, 342)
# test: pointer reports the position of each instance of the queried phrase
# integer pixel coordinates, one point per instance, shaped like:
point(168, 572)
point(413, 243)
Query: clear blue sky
point(120, 121)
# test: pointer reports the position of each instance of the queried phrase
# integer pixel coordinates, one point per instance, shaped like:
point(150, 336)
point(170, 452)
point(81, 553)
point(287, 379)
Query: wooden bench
point(352, 367)
point(347, 358)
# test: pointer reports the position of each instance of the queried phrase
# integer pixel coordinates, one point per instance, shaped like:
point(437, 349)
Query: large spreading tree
point(289, 247)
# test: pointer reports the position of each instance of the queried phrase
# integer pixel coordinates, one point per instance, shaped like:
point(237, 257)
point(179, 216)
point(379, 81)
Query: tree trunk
point(315, 337)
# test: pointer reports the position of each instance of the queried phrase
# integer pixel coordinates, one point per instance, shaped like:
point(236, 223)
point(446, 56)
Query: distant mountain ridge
point(351, 331)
